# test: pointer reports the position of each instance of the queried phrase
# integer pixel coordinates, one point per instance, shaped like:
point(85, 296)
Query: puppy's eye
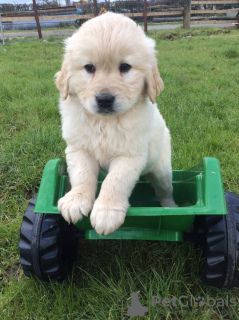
point(90, 68)
point(124, 67)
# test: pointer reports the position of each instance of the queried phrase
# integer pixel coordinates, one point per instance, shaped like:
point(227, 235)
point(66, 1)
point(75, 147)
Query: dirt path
point(25, 34)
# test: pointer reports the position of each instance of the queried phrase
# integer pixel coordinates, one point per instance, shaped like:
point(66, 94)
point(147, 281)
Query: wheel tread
point(215, 237)
point(222, 246)
point(42, 245)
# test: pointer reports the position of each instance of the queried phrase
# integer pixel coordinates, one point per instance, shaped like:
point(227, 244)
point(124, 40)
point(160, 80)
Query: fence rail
point(216, 2)
point(212, 11)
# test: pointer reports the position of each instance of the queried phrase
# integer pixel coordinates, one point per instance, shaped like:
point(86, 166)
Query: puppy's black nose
point(105, 102)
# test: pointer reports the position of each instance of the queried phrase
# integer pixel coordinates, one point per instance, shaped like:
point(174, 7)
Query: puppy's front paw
point(168, 202)
point(105, 219)
point(73, 206)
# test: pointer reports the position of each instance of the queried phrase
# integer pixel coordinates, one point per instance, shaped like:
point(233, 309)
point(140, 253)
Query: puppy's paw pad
point(73, 206)
point(106, 220)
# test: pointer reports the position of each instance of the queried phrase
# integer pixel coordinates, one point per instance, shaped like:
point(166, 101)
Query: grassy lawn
point(200, 106)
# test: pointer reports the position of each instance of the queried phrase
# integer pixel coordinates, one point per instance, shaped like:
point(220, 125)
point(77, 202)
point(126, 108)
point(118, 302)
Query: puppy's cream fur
point(129, 142)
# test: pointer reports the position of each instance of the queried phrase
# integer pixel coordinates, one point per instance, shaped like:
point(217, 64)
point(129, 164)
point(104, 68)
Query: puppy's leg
point(110, 208)
point(83, 172)
point(161, 178)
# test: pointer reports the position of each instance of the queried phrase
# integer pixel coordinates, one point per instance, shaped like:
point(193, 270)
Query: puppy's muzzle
point(105, 103)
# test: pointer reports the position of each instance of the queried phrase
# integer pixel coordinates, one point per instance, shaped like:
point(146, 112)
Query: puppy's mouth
point(105, 103)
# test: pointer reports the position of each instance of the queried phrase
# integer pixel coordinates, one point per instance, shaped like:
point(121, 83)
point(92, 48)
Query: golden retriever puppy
point(108, 83)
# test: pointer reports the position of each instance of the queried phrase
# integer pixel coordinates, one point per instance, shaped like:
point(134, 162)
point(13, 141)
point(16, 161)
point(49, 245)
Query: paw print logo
point(199, 301)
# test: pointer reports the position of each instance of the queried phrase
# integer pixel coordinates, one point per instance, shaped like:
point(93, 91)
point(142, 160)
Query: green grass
point(200, 105)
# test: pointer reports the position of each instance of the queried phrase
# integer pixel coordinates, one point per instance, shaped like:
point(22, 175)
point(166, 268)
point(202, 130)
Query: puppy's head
point(109, 65)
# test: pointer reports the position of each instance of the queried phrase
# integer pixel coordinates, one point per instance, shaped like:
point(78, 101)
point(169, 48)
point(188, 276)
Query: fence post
point(237, 24)
point(186, 14)
point(145, 16)
point(3, 40)
point(95, 8)
point(37, 19)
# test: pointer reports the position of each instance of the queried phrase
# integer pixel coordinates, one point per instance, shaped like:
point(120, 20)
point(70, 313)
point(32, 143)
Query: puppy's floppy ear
point(154, 81)
point(62, 80)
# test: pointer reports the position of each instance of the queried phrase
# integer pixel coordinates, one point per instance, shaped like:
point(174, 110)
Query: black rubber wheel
point(47, 246)
point(222, 246)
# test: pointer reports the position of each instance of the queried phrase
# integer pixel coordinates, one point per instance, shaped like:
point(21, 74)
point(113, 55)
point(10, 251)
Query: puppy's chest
point(107, 142)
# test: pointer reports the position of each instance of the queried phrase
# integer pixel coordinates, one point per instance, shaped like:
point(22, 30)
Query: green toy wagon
point(205, 214)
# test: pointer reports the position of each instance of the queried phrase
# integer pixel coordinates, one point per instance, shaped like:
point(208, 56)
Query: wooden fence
point(203, 12)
